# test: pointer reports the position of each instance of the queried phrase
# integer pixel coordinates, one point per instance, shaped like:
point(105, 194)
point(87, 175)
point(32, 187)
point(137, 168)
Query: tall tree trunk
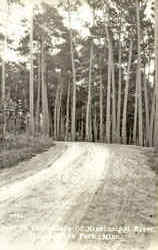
point(135, 123)
point(89, 101)
point(124, 119)
point(111, 80)
point(62, 124)
point(31, 91)
point(59, 109)
point(31, 77)
point(152, 115)
point(140, 111)
point(55, 110)
point(73, 114)
point(119, 95)
point(3, 89)
point(156, 74)
point(38, 95)
point(108, 103)
point(119, 101)
point(147, 126)
point(113, 100)
point(101, 109)
point(44, 93)
point(68, 110)
point(82, 123)
point(95, 127)
point(4, 86)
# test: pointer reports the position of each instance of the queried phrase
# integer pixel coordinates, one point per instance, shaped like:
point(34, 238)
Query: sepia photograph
point(78, 124)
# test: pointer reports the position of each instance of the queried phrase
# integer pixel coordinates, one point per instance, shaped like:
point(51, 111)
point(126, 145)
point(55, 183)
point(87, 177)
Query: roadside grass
point(152, 158)
point(17, 148)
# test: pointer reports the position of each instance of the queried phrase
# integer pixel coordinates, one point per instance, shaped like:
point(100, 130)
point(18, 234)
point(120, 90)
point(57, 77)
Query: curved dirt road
point(87, 185)
point(32, 207)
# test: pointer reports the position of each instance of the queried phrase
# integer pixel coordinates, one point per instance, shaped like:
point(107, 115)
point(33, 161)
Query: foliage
point(22, 147)
point(49, 28)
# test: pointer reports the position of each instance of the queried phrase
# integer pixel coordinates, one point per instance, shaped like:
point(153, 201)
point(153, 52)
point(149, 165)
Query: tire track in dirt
point(127, 198)
point(30, 208)
point(90, 184)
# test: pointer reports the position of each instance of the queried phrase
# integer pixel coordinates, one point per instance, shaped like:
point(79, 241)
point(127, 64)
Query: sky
point(15, 30)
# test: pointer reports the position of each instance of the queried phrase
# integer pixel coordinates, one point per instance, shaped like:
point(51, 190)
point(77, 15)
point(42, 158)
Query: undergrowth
point(152, 155)
point(17, 148)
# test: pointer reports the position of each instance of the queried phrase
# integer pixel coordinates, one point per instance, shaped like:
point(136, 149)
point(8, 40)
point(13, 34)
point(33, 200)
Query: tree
point(68, 109)
point(31, 76)
point(119, 80)
point(124, 119)
point(138, 79)
point(3, 90)
point(73, 114)
point(89, 101)
point(108, 105)
point(156, 73)
point(38, 96)
point(101, 108)
point(146, 100)
point(45, 111)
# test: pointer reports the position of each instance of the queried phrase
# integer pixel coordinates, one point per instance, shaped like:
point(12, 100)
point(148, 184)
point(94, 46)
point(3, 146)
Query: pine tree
point(156, 74)
point(31, 91)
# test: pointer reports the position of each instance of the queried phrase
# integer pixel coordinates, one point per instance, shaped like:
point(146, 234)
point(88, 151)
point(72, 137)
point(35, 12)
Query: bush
point(152, 156)
point(22, 147)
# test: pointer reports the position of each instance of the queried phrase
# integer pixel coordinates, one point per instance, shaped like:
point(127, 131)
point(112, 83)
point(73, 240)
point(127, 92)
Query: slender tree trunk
point(147, 126)
point(51, 122)
point(62, 125)
point(156, 74)
point(89, 104)
point(113, 101)
point(148, 66)
point(38, 95)
point(59, 109)
point(111, 80)
point(4, 68)
point(3, 89)
point(140, 111)
point(135, 115)
point(82, 123)
point(73, 114)
point(45, 111)
point(119, 101)
point(124, 120)
point(55, 111)
point(68, 110)
point(152, 116)
point(31, 77)
point(108, 104)
point(95, 124)
point(119, 95)
point(101, 109)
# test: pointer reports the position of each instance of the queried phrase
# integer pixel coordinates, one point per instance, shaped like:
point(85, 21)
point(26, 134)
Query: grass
point(152, 156)
point(17, 148)
point(154, 159)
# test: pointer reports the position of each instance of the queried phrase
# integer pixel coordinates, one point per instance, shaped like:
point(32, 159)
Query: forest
point(79, 124)
point(98, 82)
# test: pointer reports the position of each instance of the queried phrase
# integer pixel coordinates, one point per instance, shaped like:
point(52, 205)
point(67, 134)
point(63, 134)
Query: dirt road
point(87, 186)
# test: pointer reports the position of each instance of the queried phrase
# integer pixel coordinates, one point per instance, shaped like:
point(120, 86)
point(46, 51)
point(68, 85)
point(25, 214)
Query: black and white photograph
point(78, 124)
